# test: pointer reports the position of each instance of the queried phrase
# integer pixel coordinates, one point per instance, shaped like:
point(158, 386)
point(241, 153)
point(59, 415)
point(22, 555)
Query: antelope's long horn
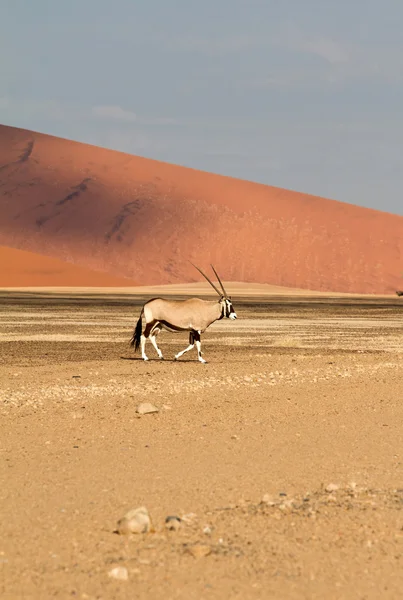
point(219, 281)
point(205, 276)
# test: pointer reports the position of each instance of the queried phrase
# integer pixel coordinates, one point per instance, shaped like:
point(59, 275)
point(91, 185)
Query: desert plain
point(282, 456)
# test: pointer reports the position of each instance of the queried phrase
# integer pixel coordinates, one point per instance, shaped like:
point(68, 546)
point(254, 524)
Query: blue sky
point(301, 94)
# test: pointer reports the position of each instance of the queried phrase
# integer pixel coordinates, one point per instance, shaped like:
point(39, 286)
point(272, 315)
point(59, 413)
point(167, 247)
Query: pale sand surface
point(299, 392)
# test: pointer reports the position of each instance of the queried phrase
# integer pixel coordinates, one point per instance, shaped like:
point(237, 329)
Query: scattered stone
point(77, 415)
point(332, 487)
point(268, 499)
point(286, 504)
point(146, 408)
point(198, 550)
point(119, 573)
point(332, 498)
point(207, 530)
point(135, 521)
point(166, 407)
point(189, 517)
point(173, 523)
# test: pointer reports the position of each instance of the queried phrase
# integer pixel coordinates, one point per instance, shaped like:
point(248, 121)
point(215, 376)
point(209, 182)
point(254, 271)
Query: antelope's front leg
point(197, 338)
point(191, 345)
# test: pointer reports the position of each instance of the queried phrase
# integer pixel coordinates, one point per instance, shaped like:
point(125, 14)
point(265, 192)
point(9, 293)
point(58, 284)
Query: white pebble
point(119, 573)
point(146, 408)
point(189, 517)
point(135, 521)
point(332, 487)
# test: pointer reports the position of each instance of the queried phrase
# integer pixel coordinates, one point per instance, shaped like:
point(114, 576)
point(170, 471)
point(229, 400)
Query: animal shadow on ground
point(180, 360)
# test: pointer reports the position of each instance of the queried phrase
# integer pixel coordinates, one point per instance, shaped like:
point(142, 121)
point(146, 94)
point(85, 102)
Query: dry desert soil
point(282, 456)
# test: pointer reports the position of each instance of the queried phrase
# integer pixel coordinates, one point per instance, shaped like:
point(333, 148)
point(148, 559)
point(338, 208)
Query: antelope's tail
point(135, 340)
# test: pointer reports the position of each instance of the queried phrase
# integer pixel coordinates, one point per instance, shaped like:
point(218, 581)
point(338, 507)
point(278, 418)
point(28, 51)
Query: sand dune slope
point(19, 268)
point(143, 219)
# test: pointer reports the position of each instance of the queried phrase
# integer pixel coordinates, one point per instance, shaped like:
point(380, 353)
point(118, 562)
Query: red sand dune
point(19, 268)
point(143, 219)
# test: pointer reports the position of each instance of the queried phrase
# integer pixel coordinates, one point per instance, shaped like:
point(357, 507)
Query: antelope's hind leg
point(153, 338)
point(144, 337)
point(143, 346)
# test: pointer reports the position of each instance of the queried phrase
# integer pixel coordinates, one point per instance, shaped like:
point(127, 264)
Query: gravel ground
point(282, 456)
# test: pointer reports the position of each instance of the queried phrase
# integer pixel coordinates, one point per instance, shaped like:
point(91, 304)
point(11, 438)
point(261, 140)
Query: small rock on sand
point(119, 573)
point(189, 517)
point(198, 550)
point(173, 523)
point(135, 521)
point(332, 487)
point(146, 408)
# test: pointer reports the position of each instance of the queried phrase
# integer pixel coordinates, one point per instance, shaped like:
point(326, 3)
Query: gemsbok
point(193, 315)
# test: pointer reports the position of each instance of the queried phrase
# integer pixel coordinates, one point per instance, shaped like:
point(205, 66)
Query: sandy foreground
point(304, 391)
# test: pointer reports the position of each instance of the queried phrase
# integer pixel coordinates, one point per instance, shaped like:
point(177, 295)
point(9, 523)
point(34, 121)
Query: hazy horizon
point(303, 96)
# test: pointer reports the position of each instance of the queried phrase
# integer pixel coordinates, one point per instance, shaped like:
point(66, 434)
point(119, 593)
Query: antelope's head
point(227, 309)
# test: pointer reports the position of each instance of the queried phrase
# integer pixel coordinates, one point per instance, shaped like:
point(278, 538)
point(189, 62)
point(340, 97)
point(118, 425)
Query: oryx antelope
point(193, 315)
